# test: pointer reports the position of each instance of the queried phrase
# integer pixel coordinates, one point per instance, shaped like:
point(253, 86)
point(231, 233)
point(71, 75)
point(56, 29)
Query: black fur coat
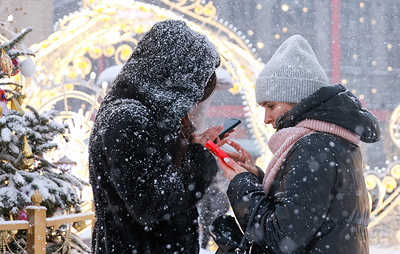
point(144, 202)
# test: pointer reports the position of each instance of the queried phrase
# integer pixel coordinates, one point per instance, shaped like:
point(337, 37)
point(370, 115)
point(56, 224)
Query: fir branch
point(9, 84)
point(8, 167)
point(34, 111)
point(44, 162)
point(10, 44)
point(16, 53)
point(7, 157)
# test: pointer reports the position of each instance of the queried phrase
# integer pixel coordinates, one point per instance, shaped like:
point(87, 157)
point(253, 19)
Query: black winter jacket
point(318, 202)
point(144, 202)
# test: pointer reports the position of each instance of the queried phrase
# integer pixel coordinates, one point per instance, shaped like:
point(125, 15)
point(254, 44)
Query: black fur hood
point(168, 70)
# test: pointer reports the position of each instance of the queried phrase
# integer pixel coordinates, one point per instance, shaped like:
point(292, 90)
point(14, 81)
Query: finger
point(234, 155)
point(232, 164)
point(237, 156)
point(201, 140)
point(221, 142)
point(226, 135)
point(213, 132)
point(229, 173)
point(249, 168)
point(237, 147)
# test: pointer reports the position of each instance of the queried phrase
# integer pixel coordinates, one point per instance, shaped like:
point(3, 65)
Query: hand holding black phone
point(229, 125)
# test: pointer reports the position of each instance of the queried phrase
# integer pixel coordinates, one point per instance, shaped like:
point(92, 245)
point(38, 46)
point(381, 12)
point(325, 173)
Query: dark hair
point(187, 129)
point(210, 87)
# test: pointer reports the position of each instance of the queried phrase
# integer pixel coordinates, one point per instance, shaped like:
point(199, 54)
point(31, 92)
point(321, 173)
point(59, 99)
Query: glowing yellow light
point(71, 75)
point(285, 7)
point(144, 9)
point(362, 4)
point(370, 182)
point(373, 63)
point(362, 97)
point(95, 52)
point(207, 11)
point(125, 53)
point(354, 91)
point(139, 30)
point(284, 29)
point(305, 9)
point(389, 46)
point(373, 90)
point(277, 36)
point(259, 6)
point(344, 81)
point(361, 20)
point(390, 183)
point(355, 56)
point(198, 10)
point(373, 22)
point(390, 68)
point(260, 45)
point(250, 32)
point(108, 50)
point(395, 171)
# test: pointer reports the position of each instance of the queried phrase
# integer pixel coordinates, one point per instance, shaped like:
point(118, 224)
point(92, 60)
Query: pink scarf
point(282, 141)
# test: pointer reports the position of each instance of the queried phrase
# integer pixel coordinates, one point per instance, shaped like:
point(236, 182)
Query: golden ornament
point(79, 225)
point(27, 151)
point(6, 63)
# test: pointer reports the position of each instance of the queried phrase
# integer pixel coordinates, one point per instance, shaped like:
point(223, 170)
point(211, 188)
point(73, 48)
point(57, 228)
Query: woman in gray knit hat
point(312, 197)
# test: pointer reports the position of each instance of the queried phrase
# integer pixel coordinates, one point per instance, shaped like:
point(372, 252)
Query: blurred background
point(81, 45)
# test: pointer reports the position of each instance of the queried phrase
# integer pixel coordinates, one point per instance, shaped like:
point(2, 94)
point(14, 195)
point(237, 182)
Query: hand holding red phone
point(229, 166)
point(214, 149)
point(241, 156)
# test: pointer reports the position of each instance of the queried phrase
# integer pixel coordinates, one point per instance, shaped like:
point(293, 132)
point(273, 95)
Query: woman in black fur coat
point(147, 168)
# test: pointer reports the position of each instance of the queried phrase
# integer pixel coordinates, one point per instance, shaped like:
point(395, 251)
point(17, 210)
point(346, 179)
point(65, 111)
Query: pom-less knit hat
point(292, 74)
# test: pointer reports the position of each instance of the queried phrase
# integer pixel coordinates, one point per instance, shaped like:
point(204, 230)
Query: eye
point(270, 106)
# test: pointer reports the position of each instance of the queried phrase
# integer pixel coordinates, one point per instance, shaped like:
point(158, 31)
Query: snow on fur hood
point(168, 70)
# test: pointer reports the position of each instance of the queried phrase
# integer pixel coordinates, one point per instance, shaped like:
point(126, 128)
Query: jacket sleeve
point(142, 170)
point(289, 219)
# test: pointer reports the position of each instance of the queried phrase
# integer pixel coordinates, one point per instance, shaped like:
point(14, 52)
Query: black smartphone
point(228, 126)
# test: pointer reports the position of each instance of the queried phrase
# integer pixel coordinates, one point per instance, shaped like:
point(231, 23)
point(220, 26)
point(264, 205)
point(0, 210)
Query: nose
point(268, 118)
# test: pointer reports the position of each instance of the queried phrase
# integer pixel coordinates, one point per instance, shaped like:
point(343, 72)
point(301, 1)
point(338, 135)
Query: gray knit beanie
point(292, 74)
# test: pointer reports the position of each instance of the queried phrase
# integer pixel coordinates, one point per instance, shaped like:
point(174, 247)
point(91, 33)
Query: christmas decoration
point(26, 175)
point(22, 215)
point(79, 225)
point(16, 69)
point(9, 57)
point(6, 63)
point(27, 67)
point(3, 103)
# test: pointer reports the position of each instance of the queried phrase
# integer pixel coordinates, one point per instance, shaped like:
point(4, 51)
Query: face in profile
point(273, 110)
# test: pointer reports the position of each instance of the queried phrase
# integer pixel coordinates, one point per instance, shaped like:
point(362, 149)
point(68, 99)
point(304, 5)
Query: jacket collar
point(334, 104)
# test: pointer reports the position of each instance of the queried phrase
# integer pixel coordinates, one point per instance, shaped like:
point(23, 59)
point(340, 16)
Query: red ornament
point(16, 68)
point(22, 215)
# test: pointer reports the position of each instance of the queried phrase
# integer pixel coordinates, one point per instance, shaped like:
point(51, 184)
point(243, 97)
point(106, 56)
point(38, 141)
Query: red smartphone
point(214, 149)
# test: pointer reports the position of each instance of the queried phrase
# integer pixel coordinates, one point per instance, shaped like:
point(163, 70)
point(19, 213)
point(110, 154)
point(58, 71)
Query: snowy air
point(197, 126)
